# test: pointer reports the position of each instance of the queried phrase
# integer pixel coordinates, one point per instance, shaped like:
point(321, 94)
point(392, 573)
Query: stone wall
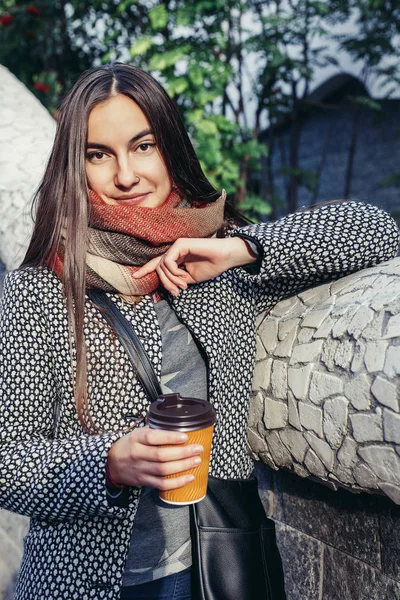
point(325, 410)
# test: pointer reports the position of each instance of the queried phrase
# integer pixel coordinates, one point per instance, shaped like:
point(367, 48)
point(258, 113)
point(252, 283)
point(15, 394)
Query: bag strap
point(132, 344)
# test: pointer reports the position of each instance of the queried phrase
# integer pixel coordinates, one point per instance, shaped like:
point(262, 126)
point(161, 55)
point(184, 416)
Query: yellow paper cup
point(196, 418)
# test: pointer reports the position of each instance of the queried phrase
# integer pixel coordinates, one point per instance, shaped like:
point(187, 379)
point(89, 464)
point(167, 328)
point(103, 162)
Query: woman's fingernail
point(190, 478)
point(197, 460)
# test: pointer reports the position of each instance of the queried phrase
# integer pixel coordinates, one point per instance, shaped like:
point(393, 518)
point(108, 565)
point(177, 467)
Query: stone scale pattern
point(325, 393)
point(26, 137)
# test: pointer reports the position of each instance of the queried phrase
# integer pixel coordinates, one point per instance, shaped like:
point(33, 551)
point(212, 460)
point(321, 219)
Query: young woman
point(125, 207)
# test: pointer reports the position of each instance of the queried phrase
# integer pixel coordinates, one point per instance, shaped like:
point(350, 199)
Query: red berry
point(41, 87)
point(6, 20)
point(33, 10)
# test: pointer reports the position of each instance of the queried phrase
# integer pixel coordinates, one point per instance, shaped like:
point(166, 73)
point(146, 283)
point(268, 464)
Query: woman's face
point(123, 164)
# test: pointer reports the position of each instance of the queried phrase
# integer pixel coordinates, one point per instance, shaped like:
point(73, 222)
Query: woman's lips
point(132, 200)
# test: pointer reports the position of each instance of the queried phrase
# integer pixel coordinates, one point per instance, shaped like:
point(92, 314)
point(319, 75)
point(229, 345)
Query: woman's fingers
point(149, 267)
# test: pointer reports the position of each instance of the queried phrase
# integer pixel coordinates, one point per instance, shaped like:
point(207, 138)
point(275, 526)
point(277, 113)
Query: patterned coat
point(77, 542)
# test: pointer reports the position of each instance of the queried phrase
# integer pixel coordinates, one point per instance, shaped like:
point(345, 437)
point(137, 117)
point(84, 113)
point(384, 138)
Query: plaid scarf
point(123, 238)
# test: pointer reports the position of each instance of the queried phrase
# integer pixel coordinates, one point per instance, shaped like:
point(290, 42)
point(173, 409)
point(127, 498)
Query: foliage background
point(232, 66)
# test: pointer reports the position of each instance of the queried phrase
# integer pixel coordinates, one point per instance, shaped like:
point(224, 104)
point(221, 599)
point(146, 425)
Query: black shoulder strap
point(130, 341)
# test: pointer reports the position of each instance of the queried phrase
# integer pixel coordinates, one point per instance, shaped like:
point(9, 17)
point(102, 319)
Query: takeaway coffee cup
point(196, 418)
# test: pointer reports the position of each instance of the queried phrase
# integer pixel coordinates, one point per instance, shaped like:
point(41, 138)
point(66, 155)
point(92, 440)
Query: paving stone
point(302, 563)
point(280, 454)
point(300, 470)
point(298, 381)
point(344, 354)
point(315, 465)
point(344, 476)
point(286, 327)
point(261, 352)
point(256, 411)
point(385, 392)
point(335, 420)
point(262, 375)
point(348, 299)
point(266, 457)
point(284, 348)
point(373, 331)
point(256, 443)
point(358, 391)
point(361, 319)
point(375, 356)
point(367, 427)
point(328, 354)
point(346, 578)
point(322, 450)
point(325, 329)
point(389, 292)
point(310, 417)
point(383, 461)
point(275, 414)
point(392, 329)
point(315, 295)
point(345, 282)
point(306, 353)
point(339, 330)
point(392, 361)
point(347, 454)
point(305, 335)
point(285, 306)
point(295, 443)
point(315, 318)
point(324, 385)
point(365, 477)
point(279, 379)
point(358, 358)
point(268, 332)
point(391, 426)
point(391, 490)
point(293, 415)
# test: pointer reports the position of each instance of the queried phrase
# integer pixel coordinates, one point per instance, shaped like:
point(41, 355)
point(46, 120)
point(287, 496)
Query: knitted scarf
point(123, 238)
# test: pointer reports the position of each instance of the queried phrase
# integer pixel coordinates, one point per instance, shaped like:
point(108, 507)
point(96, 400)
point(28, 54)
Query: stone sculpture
point(326, 383)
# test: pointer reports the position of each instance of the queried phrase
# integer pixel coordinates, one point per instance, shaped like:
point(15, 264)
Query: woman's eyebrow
point(135, 138)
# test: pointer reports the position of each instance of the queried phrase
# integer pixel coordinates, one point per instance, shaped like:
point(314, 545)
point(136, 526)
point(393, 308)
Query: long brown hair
point(62, 199)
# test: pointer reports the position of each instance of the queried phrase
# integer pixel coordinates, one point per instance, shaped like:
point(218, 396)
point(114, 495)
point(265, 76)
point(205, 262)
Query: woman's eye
point(95, 155)
point(145, 146)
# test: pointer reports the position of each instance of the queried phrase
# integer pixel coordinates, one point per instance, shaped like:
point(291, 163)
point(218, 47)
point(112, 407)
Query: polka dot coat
point(55, 473)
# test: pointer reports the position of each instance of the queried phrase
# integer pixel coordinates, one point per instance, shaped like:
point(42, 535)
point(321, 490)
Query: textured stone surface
point(334, 363)
point(13, 528)
point(335, 420)
point(302, 562)
point(348, 579)
point(26, 136)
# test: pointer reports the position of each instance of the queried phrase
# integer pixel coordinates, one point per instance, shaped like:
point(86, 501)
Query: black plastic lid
point(176, 413)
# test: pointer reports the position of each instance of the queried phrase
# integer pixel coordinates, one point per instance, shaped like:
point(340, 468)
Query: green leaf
point(177, 86)
point(141, 46)
point(158, 17)
point(207, 127)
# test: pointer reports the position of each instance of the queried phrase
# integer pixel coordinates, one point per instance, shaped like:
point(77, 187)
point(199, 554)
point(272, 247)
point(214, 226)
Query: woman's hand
point(192, 260)
point(136, 459)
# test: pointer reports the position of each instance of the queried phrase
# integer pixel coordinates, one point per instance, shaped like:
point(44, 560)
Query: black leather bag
point(235, 555)
point(234, 551)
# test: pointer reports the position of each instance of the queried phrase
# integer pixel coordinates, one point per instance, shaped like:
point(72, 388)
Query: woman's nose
point(125, 176)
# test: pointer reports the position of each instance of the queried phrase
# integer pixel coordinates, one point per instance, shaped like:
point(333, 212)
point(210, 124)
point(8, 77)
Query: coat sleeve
point(307, 248)
point(42, 476)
